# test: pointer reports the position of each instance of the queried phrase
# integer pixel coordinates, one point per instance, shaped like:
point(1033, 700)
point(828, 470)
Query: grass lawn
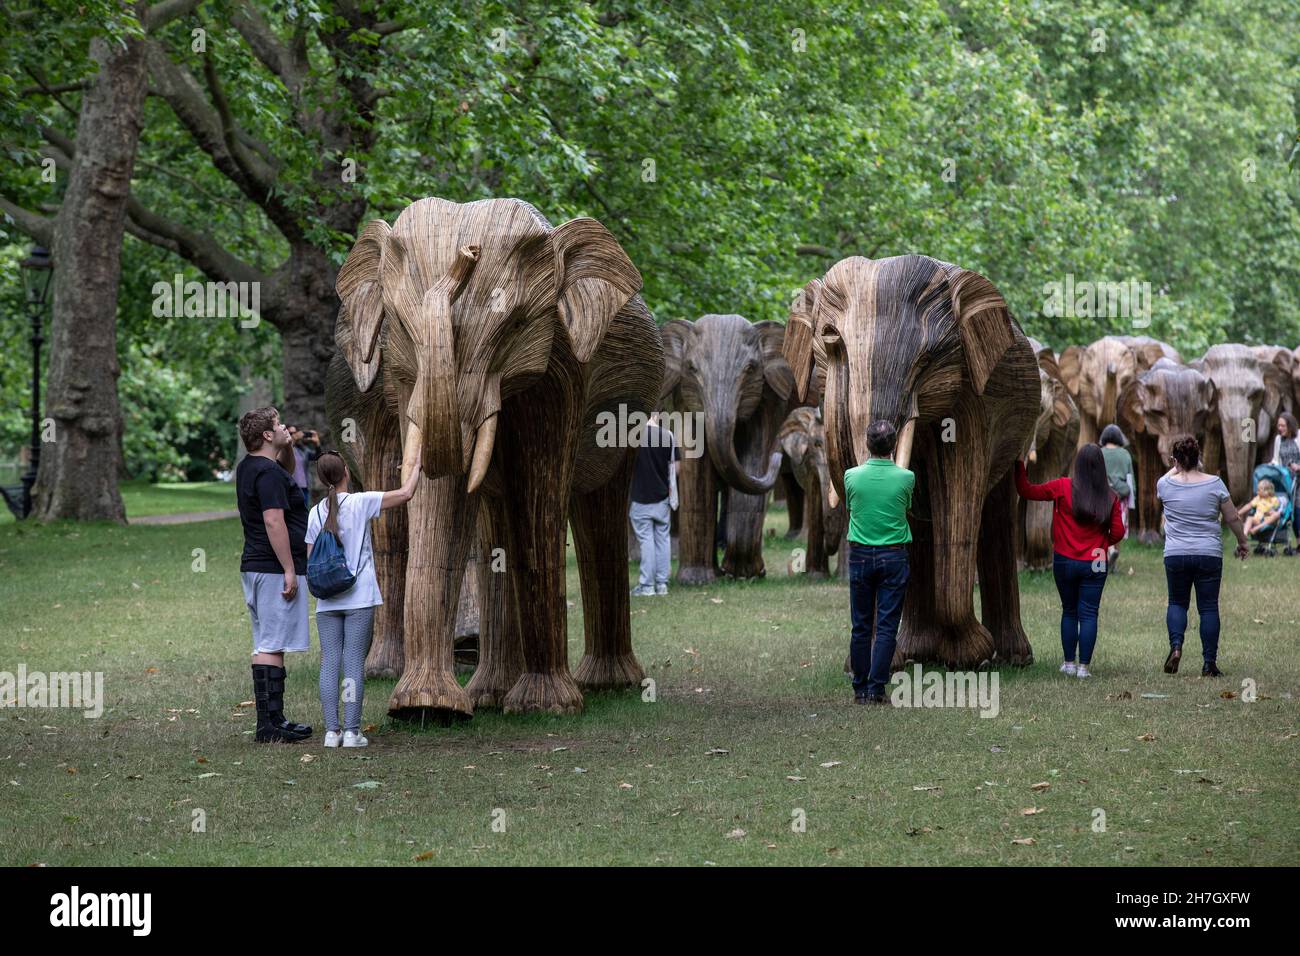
point(752, 722)
point(143, 498)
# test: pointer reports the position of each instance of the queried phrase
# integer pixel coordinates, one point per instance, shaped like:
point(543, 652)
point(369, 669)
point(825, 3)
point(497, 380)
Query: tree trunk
point(79, 469)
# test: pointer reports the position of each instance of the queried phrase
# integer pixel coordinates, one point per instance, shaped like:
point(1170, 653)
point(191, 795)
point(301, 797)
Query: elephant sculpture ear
point(1063, 408)
point(676, 336)
point(361, 294)
point(594, 280)
point(776, 370)
point(983, 322)
point(797, 345)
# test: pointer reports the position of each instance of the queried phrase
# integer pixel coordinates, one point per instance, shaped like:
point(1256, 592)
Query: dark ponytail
point(331, 469)
point(1089, 488)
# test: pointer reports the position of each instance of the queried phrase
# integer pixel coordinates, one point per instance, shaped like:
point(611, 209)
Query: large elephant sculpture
point(495, 348)
point(1277, 364)
point(1231, 437)
point(1097, 374)
point(731, 372)
point(1056, 436)
point(932, 348)
point(803, 442)
point(1162, 404)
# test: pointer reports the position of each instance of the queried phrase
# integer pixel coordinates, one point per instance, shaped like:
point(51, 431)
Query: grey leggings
point(344, 638)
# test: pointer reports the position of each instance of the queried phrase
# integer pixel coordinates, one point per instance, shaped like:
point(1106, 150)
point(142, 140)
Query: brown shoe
point(1171, 662)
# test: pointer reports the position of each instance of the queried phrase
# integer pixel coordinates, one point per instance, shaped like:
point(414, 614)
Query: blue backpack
point(327, 569)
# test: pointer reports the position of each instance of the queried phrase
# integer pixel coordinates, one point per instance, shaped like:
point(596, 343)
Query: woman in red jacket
point(1087, 518)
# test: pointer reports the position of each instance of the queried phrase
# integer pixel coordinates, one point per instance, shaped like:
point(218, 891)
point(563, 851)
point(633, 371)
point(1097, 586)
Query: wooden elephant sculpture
point(731, 372)
point(1096, 374)
point(932, 348)
point(496, 347)
point(803, 442)
point(1278, 366)
point(1162, 404)
point(1051, 452)
point(1233, 434)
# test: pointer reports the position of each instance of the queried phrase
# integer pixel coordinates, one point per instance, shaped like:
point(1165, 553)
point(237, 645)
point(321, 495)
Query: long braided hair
point(331, 469)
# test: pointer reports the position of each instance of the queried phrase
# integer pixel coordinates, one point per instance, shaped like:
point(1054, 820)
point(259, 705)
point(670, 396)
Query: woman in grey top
point(1193, 502)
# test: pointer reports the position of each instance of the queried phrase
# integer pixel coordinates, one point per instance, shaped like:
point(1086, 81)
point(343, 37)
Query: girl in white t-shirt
point(346, 621)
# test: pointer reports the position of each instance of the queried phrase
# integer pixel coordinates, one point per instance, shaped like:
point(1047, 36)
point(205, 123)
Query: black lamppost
point(37, 271)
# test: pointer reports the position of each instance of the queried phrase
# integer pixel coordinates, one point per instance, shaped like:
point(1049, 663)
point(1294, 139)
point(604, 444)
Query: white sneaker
point(1082, 671)
point(1069, 667)
point(332, 738)
point(661, 589)
point(353, 739)
point(640, 591)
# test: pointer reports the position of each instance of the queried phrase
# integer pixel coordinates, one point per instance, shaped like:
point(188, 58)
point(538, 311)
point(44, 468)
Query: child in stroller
point(1270, 510)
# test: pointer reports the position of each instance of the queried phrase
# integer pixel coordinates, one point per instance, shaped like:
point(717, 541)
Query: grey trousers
point(344, 639)
point(650, 523)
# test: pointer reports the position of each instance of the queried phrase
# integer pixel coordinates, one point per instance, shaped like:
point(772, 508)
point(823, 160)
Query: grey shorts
point(278, 625)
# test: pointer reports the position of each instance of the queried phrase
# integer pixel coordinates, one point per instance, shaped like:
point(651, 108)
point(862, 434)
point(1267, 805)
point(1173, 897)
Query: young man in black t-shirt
point(654, 493)
point(274, 516)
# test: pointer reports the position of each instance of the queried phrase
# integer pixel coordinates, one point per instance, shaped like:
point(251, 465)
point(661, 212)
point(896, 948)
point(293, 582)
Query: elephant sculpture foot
point(696, 575)
point(386, 660)
point(609, 672)
point(429, 694)
point(555, 692)
point(965, 646)
point(1011, 647)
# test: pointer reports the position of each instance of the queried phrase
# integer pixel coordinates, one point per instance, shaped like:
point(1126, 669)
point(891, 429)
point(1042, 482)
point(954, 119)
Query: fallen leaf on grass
point(928, 789)
point(796, 779)
point(202, 776)
point(426, 855)
point(715, 600)
point(1147, 737)
point(736, 834)
point(1155, 696)
point(913, 831)
point(1024, 841)
point(831, 763)
point(1125, 695)
point(306, 758)
point(1039, 787)
point(367, 785)
point(246, 703)
point(1228, 694)
point(1031, 811)
point(716, 752)
point(625, 786)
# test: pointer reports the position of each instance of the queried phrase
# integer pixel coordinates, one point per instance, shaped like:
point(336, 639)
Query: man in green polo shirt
point(878, 494)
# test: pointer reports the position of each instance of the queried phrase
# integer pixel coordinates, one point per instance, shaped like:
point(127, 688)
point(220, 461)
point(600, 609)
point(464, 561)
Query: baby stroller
point(1277, 534)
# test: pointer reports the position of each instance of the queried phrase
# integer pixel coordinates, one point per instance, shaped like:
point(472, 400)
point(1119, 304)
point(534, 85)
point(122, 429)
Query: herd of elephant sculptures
point(483, 343)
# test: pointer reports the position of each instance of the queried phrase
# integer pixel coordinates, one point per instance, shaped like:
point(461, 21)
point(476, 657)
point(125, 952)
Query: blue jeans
point(877, 583)
point(1204, 572)
point(1079, 585)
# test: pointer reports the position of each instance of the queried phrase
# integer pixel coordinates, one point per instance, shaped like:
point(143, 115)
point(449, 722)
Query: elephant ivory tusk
point(410, 449)
point(484, 439)
point(903, 452)
point(832, 498)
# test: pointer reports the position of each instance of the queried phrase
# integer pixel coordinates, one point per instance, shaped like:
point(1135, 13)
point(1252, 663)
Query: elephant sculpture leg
point(389, 543)
point(999, 587)
point(435, 568)
point(698, 493)
point(743, 557)
point(794, 503)
point(939, 623)
point(537, 464)
point(501, 653)
point(608, 662)
point(1147, 464)
point(818, 558)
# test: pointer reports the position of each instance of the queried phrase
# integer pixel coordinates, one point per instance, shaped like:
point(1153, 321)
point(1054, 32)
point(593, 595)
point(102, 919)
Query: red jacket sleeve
point(1115, 533)
point(1045, 492)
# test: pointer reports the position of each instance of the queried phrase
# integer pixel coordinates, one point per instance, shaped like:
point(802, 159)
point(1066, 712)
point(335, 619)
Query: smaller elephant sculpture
point(1162, 404)
point(731, 372)
point(1099, 372)
point(1230, 439)
point(803, 442)
point(1278, 367)
point(1051, 451)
